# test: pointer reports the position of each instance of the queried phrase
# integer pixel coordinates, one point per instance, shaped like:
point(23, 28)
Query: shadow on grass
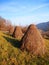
point(7, 34)
point(14, 42)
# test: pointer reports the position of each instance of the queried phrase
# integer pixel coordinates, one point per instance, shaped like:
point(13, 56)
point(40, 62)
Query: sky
point(25, 12)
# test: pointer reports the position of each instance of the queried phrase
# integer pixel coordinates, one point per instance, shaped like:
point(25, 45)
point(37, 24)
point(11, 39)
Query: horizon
point(25, 12)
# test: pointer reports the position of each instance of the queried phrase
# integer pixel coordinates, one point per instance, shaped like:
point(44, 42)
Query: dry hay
point(18, 32)
point(32, 41)
point(11, 30)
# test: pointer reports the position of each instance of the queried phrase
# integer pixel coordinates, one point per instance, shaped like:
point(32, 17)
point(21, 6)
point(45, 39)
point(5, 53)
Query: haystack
point(18, 32)
point(11, 30)
point(32, 41)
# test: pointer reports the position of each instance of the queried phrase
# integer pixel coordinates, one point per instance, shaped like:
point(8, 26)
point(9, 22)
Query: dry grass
point(12, 55)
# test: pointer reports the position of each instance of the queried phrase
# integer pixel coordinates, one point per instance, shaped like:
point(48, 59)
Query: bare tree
point(5, 25)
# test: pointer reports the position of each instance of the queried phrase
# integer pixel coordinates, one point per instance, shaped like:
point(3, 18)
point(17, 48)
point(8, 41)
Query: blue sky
point(24, 12)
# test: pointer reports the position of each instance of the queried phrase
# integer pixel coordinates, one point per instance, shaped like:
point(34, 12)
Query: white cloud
point(26, 20)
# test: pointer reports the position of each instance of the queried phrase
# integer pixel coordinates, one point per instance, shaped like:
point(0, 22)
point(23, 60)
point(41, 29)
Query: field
point(10, 53)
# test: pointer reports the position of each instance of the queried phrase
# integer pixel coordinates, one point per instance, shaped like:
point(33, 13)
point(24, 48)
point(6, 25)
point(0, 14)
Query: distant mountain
point(43, 26)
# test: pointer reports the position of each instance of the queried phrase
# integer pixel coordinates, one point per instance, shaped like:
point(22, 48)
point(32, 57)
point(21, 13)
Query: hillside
point(10, 53)
point(43, 26)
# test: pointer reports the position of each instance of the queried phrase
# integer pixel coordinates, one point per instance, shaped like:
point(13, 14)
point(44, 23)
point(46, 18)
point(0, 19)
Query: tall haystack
point(18, 32)
point(32, 41)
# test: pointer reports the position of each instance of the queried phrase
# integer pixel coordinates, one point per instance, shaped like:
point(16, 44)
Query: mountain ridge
point(43, 26)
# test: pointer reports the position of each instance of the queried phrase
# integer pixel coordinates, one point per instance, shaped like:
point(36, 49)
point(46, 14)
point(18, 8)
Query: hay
point(32, 41)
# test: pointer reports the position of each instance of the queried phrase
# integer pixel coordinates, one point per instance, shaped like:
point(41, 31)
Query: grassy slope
point(10, 54)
